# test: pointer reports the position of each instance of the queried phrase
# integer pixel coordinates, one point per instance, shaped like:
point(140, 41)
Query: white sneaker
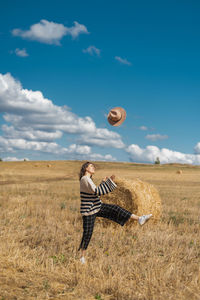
point(143, 219)
point(82, 260)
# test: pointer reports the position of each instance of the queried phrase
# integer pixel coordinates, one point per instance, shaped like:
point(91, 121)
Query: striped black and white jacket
point(89, 193)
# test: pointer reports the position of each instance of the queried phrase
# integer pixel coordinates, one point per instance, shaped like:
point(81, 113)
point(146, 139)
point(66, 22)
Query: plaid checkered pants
point(110, 211)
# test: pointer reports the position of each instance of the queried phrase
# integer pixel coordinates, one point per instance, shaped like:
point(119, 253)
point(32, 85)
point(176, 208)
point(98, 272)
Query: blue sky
point(65, 64)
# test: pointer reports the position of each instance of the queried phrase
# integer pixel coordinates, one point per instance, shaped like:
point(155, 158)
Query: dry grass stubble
point(41, 230)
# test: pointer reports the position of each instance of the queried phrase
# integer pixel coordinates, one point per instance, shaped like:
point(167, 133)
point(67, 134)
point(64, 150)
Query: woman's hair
point(83, 169)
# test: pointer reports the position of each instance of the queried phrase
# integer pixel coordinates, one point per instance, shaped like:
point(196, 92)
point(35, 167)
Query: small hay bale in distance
point(137, 196)
point(49, 166)
point(179, 172)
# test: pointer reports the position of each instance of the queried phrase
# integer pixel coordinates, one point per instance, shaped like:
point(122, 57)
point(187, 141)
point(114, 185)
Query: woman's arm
point(105, 187)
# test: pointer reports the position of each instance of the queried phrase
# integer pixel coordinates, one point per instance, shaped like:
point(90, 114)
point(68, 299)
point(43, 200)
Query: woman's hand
point(112, 177)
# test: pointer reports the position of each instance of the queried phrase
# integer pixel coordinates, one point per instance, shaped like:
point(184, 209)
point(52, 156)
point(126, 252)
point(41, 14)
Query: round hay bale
point(136, 196)
point(179, 172)
point(49, 166)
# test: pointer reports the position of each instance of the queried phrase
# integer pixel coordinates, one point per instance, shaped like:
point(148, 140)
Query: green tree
point(157, 161)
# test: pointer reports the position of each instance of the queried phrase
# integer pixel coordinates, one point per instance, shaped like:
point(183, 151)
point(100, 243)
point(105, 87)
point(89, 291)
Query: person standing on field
point(92, 206)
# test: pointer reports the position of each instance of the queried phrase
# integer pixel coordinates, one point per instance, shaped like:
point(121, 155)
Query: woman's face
point(90, 169)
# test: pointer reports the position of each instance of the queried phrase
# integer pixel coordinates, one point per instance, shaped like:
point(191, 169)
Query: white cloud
point(35, 123)
point(84, 152)
point(100, 157)
point(72, 152)
point(123, 61)
point(27, 108)
point(197, 148)
point(50, 32)
point(11, 145)
point(103, 142)
point(150, 153)
point(14, 99)
point(92, 50)
point(143, 128)
point(79, 149)
point(102, 137)
point(155, 137)
point(30, 134)
point(21, 52)
point(9, 158)
point(77, 29)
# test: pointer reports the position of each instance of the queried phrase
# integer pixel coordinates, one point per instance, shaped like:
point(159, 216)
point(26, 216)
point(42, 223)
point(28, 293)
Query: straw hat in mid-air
point(116, 116)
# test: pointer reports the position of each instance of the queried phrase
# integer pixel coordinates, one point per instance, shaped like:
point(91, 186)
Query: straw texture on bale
point(136, 196)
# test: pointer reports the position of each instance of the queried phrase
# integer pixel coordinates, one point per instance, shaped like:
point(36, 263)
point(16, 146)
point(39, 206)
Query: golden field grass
point(41, 228)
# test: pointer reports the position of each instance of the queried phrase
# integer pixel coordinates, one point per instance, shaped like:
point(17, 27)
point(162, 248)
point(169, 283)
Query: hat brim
point(123, 114)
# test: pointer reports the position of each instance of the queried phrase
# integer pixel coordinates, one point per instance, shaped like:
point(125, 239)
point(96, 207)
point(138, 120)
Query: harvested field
point(41, 230)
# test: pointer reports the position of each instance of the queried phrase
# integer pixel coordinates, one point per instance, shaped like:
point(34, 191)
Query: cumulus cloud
point(72, 152)
point(156, 137)
point(103, 138)
point(21, 52)
point(10, 158)
point(107, 157)
point(77, 29)
point(50, 32)
point(197, 148)
point(85, 152)
point(123, 61)
point(92, 50)
point(79, 149)
point(29, 134)
point(35, 123)
point(103, 142)
point(92, 156)
point(26, 108)
point(34, 117)
point(11, 145)
point(150, 153)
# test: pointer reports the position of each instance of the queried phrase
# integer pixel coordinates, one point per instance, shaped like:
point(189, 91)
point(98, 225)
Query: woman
point(92, 207)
